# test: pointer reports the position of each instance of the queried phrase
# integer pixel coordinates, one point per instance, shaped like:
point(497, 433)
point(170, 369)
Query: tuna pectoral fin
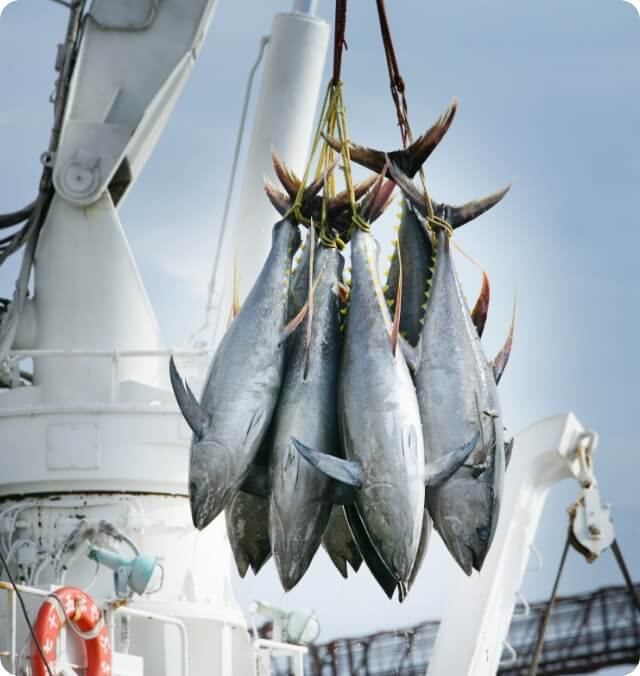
point(189, 406)
point(481, 308)
point(298, 319)
point(294, 323)
point(508, 448)
point(257, 482)
point(502, 359)
point(345, 471)
point(438, 471)
point(371, 557)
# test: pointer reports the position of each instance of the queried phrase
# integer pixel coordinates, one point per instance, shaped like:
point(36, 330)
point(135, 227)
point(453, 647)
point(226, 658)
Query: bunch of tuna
point(353, 415)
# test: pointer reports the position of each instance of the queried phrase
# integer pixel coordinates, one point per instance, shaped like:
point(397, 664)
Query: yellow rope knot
point(437, 222)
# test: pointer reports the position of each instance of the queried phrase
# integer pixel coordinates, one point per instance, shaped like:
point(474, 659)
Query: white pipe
point(148, 615)
point(20, 355)
point(305, 6)
point(284, 121)
point(13, 629)
point(471, 637)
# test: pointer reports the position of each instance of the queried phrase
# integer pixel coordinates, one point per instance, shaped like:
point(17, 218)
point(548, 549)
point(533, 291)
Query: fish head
point(393, 518)
point(295, 538)
point(468, 516)
point(210, 487)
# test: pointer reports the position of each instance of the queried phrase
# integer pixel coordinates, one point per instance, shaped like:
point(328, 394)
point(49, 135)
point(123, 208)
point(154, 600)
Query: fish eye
point(482, 532)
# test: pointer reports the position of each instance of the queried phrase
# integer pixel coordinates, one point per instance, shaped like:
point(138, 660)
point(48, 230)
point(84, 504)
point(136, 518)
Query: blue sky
point(549, 95)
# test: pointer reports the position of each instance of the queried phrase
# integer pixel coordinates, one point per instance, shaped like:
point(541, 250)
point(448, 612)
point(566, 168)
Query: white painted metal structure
point(283, 122)
point(471, 638)
point(98, 438)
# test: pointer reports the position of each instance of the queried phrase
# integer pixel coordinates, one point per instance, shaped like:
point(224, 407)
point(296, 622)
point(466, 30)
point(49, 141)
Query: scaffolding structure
point(587, 632)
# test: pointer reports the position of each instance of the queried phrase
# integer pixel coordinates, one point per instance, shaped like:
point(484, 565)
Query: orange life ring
point(74, 606)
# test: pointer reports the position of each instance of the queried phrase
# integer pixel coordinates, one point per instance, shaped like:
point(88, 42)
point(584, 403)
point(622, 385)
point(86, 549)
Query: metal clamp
point(513, 655)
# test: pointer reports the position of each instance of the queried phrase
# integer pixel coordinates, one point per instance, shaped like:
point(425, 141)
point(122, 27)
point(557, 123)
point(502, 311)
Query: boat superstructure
point(95, 451)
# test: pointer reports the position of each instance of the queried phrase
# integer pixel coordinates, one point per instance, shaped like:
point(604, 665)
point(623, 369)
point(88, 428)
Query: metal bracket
point(538, 557)
point(525, 605)
point(591, 523)
point(513, 655)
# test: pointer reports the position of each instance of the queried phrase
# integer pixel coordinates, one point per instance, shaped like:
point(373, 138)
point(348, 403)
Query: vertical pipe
point(13, 641)
point(305, 6)
point(284, 119)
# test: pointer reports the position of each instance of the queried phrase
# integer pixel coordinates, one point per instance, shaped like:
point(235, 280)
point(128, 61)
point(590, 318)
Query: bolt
point(594, 531)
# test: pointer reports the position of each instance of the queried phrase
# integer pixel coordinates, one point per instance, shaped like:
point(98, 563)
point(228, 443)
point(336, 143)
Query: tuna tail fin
point(508, 448)
point(481, 308)
point(459, 215)
point(291, 183)
point(409, 159)
point(345, 471)
point(377, 199)
point(502, 359)
point(279, 200)
point(454, 215)
point(336, 205)
point(190, 408)
point(438, 471)
point(312, 203)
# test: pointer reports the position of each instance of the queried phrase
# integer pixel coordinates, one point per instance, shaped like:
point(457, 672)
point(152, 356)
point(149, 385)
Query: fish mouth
point(475, 561)
point(403, 590)
point(289, 575)
point(465, 557)
point(200, 514)
point(478, 560)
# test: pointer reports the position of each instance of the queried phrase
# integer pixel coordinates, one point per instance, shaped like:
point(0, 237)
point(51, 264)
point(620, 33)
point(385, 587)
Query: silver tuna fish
point(457, 397)
point(299, 510)
point(380, 422)
point(242, 385)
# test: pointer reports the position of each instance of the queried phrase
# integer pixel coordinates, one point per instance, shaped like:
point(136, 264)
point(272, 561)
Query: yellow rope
point(333, 117)
point(294, 209)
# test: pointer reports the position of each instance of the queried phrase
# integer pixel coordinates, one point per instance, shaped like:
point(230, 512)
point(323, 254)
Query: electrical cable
point(617, 552)
point(16, 217)
point(537, 652)
point(264, 41)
